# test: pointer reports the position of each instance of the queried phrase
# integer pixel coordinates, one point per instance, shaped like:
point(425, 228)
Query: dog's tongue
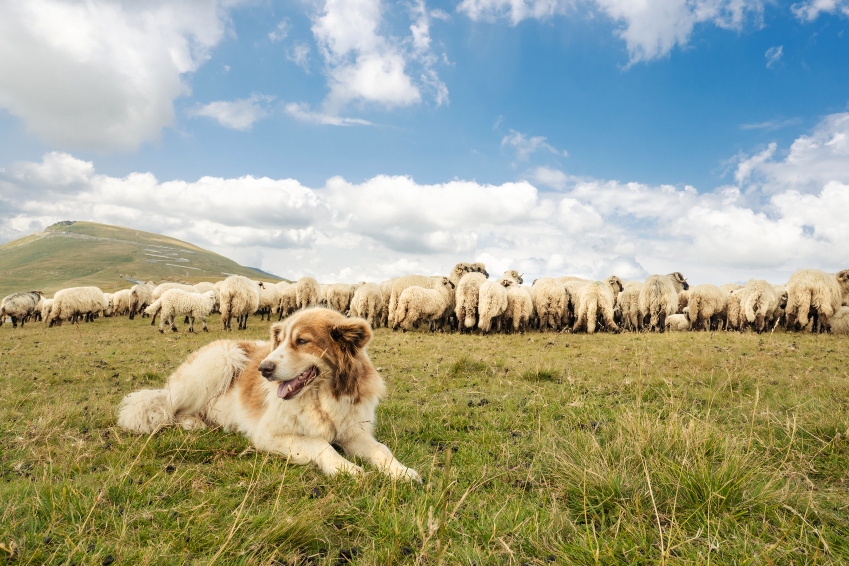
point(285, 389)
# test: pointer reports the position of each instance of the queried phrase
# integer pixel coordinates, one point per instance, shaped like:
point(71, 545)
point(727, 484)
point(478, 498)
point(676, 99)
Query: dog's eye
point(301, 341)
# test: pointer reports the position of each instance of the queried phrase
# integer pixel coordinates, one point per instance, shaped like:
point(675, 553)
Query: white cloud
point(525, 146)
point(299, 54)
point(810, 10)
point(301, 111)
point(238, 114)
point(651, 30)
point(364, 65)
point(281, 32)
point(100, 74)
point(773, 56)
point(787, 211)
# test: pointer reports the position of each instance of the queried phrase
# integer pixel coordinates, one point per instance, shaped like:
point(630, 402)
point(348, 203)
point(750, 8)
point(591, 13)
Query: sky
point(364, 139)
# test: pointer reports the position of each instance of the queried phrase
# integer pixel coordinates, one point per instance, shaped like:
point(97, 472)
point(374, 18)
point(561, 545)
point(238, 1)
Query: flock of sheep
point(467, 299)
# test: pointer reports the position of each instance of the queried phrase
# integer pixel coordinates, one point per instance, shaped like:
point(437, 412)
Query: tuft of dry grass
point(535, 449)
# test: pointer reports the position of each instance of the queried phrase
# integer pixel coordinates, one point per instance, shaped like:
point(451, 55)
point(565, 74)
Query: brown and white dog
point(313, 385)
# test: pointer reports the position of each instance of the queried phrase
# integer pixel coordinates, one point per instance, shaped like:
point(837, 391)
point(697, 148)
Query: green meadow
point(681, 448)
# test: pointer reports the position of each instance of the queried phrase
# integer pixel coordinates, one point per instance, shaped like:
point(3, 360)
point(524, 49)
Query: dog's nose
point(266, 368)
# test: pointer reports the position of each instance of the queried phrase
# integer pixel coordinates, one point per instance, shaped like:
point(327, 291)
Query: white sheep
point(140, 297)
point(307, 292)
point(176, 302)
point(514, 275)
point(492, 302)
point(239, 298)
point(811, 291)
point(385, 295)
point(367, 303)
point(204, 287)
point(420, 304)
point(288, 304)
point(573, 286)
point(466, 300)
point(397, 285)
point(840, 321)
point(733, 317)
point(339, 296)
point(628, 302)
point(19, 306)
point(677, 322)
point(46, 307)
point(120, 302)
point(758, 302)
point(71, 303)
point(161, 288)
point(659, 299)
point(269, 300)
point(108, 310)
point(597, 300)
point(550, 301)
point(683, 301)
point(520, 308)
point(708, 306)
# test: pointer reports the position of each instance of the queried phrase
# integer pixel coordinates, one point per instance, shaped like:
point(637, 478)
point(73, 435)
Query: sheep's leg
point(205, 329)
point(191, 324)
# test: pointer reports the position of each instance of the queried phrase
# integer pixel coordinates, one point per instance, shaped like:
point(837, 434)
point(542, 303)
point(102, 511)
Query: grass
point(86, 253)
point(683, 448)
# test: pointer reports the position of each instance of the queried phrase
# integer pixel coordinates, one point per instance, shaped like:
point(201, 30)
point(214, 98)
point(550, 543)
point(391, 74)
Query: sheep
point(728, 287)
point(659, 299)
point(814, 291)
point(573, 286)
point(269, 300)
point(108, 310)
point(597, 300)
point(677, 322)
point(69, 304)
point(514, 275)
point(157, 292)
point(734, 312)
point(367, 303)
point(397, 285)
point(417, 304)
point(239, 298)
point(708, 306)
point(683, 301)
point(339, 296)
point(140, 297)
point(758, 302)
point(840, 321)
point(492, 302)
point(19, 306)
point(121, 302)
point(288, 304)
point(466, 302)
point(478, 267)
point(307, 292)
point(550, 303)
point(175, 302)
point(628, 302)
point(36, 313)
point(520, 308)
point(385, 294)
point(46, 307)
point(204, 287)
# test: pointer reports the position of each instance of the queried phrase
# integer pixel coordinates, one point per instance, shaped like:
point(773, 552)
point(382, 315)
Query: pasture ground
point(683, 448)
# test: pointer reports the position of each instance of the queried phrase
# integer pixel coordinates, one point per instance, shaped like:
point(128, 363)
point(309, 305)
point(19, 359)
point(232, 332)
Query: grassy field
point(690, 448)
point(86, 253)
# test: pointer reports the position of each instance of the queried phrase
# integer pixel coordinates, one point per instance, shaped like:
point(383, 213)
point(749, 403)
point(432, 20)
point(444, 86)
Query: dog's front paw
point(399, 471)
point(346, 468)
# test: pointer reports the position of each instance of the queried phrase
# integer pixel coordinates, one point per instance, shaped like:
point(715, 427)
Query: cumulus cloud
point(785, 211)
point(810, 10)
point(101, 74)
point(650, 29)
point(236, 114)
point(365, 65)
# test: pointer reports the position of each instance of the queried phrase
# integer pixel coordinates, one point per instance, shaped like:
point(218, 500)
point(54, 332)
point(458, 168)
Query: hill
point(70, 254)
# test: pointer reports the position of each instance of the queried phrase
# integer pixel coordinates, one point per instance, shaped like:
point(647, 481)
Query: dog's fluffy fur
point(313, 385)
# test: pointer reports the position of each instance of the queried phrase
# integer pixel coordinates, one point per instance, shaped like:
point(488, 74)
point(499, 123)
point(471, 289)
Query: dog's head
point(318, 345)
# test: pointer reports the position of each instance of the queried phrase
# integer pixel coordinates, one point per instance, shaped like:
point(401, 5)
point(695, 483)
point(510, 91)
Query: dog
point(311, 386)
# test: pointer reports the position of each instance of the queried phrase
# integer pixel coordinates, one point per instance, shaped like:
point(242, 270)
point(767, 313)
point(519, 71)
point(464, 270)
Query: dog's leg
point(365, 446)
point(305, 450)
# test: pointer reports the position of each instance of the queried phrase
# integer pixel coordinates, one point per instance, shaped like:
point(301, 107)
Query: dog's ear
point(277, 331)
point(353, 333)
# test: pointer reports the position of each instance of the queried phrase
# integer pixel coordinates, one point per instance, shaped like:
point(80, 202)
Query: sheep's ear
point(277, 332)
point(352, 334)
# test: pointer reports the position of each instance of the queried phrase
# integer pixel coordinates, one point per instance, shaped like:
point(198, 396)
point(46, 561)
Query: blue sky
point(542, 135)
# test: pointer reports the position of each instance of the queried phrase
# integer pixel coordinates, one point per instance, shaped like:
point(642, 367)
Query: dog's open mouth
point(288, 389)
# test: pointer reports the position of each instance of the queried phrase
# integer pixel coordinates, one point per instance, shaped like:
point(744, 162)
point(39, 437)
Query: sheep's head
point(507, 282)
point(459, 271)
point(843, 279)
point(679, 280)
point(513, 274)
point(615, 284)
point(480, 268)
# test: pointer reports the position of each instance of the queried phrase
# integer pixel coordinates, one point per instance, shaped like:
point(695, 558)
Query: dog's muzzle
point(266, 368)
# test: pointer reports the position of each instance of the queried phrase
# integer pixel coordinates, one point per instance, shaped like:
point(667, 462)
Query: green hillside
point(70, 254)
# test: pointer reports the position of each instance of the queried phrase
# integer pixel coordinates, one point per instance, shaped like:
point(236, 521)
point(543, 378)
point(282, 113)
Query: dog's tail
point(189, 391)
